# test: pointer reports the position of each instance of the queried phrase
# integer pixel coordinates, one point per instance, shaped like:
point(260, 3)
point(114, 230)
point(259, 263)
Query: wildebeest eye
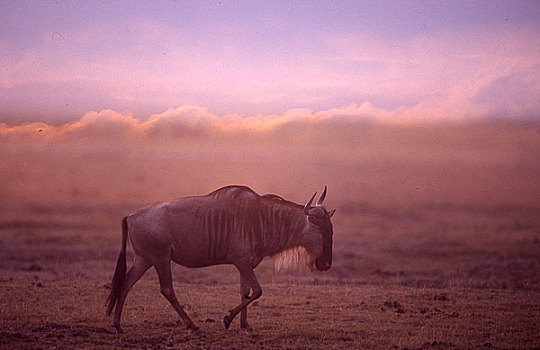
point(314, 220)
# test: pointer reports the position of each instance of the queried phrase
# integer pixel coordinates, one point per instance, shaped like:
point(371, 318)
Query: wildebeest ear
point(331, 212)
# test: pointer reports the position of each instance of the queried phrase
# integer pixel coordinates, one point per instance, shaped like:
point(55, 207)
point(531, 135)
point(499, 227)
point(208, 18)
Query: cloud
point(509, 92)
point(105, 124)
point(93, 126)
point(427, 76)
point(27, 132)
point(181, 123)
point(195, 121)
point(186, 121)
point(513, 94)
point(438, 74)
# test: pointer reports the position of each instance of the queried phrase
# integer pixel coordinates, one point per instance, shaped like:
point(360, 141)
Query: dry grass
point(288, 316)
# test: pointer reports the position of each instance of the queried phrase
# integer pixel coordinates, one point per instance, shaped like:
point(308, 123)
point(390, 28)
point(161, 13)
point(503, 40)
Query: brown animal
point(232, 225)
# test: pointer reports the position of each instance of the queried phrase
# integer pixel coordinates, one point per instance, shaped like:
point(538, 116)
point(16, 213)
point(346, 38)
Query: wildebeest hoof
point(119, 329)
point(227, 321)
point(193, 327)
point(246, 327)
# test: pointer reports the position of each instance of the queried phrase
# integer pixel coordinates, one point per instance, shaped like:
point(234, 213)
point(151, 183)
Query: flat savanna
point(436, 242)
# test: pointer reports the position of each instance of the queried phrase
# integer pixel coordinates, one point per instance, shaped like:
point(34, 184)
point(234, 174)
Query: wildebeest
point(232, 225)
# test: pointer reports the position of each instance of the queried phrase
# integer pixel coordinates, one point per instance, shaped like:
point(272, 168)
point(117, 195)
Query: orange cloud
point(196, 121)
point(107, 123)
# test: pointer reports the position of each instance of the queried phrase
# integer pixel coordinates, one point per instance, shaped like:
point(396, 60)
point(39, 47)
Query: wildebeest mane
point(278, 199)
point(234, 192)
point(240, 191)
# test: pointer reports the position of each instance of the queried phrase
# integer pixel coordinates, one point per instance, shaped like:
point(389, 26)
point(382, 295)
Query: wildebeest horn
point(323, 196)
point(307, 207)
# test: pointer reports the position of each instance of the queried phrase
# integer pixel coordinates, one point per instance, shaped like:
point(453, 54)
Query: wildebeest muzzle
point(324, 261)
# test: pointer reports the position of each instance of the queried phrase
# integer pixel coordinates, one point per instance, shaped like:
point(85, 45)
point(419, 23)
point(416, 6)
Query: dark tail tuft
point(119, 272)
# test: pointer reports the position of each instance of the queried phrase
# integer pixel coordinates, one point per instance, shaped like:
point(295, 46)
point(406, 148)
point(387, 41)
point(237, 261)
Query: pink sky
point(398, 61)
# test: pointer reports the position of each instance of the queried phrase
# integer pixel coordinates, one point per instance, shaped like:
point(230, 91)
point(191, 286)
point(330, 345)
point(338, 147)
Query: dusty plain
point(437, 238)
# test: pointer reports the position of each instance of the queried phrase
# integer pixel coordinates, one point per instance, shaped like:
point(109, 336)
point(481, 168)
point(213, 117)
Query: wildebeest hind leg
point(163, 269)
point(140, 266)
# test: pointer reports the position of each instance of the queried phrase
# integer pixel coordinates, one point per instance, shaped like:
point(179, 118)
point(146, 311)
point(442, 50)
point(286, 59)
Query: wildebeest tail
point(119, 272)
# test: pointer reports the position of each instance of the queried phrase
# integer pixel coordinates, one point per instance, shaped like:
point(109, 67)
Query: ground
point(288, 316)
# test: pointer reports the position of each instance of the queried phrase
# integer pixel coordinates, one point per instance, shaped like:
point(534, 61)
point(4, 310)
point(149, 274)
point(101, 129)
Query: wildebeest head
point(317, 237)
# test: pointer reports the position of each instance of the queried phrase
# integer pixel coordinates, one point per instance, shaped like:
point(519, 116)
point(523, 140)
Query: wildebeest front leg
point(244, 293)
point(163, 269)
point(249, 280)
